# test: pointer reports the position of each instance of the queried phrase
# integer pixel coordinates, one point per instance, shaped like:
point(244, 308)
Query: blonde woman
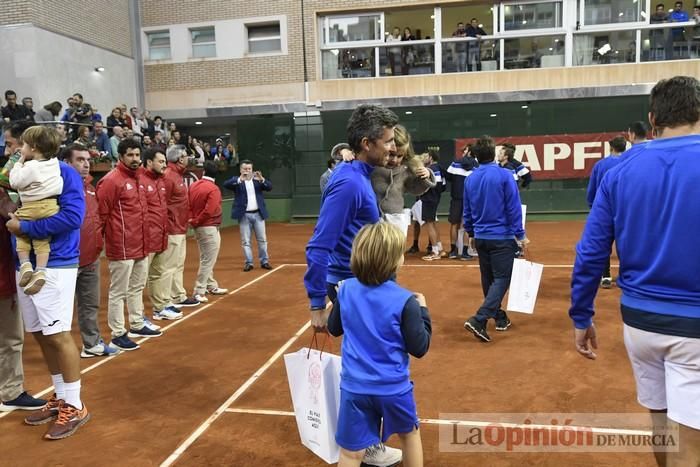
point(404, 174)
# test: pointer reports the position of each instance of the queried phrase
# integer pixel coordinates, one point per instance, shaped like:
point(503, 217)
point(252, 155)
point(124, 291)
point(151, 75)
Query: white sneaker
point(167, 313)
point(201, 298)
point(149, 324)
point(217, 291)
point(100, 350)
point(380, 455)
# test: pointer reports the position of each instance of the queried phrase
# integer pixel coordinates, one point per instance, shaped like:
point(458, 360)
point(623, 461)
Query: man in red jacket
point(123, 208)
point(151, 177)
point(87, 286)
point(178, 217)
point(205, 205)
point(12, 393)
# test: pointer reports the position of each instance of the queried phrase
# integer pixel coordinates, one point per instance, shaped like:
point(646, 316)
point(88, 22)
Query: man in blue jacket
point(49, 313)
point(648, 206)
point(493, 218)
point(349, 203)
point(250, 211)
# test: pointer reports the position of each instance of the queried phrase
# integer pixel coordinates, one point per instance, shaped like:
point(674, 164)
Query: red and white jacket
point(91, 242)
point(178, 201)
point(205, 203)
point(157, 218)
point(123, 207)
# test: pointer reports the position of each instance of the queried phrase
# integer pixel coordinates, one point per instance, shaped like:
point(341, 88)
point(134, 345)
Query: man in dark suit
point(250, 211)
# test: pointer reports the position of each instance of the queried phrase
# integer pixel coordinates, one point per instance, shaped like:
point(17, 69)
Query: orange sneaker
point(68, 421)
point(46, 413)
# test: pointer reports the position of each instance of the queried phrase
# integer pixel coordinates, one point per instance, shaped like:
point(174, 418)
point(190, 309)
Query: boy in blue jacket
point(382, 324)
point(648, 206)
point(493, 218)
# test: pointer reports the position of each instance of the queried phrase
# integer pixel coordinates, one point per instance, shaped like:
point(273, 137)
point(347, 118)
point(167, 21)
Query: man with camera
point(250, 211)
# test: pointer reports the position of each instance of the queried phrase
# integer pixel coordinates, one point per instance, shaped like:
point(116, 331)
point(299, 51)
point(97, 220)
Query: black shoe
point(429, 251)
point(266, 266)
point(413, 250)
point(606, 282)
point(247, 267)
point(479, 330)
point(453, 254)
point(502, 321)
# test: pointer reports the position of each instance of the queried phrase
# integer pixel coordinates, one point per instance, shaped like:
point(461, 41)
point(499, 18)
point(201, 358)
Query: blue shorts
point(360, 418)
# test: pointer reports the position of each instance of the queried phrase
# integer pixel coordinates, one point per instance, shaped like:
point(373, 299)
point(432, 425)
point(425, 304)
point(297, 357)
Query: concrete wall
point(48, 66)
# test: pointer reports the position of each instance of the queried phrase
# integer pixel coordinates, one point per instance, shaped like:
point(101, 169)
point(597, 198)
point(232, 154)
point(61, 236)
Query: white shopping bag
point(402, 220)
point(524, 285)
point(314, 383)
point(523, 209)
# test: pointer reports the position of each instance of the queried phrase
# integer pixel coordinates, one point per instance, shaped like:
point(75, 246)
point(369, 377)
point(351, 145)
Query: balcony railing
point(508, 51)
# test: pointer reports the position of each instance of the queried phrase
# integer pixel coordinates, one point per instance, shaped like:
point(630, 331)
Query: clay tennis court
point(213, 390)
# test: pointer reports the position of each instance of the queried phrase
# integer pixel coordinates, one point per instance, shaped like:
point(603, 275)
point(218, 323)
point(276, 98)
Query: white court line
point(437, 264)
point(164, 328)
point(433, 421)
point(239, 392)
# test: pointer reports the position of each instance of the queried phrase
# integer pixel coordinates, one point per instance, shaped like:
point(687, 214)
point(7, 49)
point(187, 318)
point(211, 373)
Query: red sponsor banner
point(555, 157)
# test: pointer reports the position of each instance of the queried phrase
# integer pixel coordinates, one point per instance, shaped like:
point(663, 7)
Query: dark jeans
point(606, 271)
point(496, 265)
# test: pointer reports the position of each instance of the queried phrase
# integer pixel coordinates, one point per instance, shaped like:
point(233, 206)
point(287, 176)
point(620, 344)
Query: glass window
point(158, 45)
point(613, 11)
point(418, 23)
point(602, 48)
point(533, 52)
point(348, 63)
point(203, 42)
point(264, 38)
point(354, 28)
point(453, 15)
point(470, 55)
point(517, 17)
point(407, 59)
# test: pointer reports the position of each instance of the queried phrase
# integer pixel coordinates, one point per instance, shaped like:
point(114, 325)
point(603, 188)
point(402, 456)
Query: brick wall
point(247, 71)
point(103, 23)
point(15, 12)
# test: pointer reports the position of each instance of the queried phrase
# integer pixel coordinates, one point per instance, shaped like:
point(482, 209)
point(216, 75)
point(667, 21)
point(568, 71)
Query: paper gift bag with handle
point(314, 384)
point(524, 285)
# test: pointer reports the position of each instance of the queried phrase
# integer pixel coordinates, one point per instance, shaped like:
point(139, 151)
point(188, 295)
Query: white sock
point(439, 245)
point(436, 250)
point(73, 394)
point(59, 386)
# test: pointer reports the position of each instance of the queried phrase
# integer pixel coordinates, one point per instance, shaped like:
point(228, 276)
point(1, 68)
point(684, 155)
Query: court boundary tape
point(164, 328)
point(474, 423)
point(239, 392)
point(436, 264)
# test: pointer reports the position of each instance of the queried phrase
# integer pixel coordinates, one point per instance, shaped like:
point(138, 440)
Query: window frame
point(333, 45)
point(150, 47)
point(502, 32)
point(209, 43)
point(247, 27)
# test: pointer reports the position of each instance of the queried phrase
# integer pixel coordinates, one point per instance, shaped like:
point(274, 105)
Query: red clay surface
point(145, 403)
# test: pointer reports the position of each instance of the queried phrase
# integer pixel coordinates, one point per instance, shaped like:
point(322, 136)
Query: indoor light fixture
point(493, 115)
point(197, 123)
point(408, 112)
point(99, 69)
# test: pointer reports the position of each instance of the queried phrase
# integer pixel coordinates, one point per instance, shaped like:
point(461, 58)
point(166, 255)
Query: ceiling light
point(621, 14)
point(197, 123)
point(432, 16)
point(524, 21)
point(493, 115)
point(99, 69)
point(227, 134)
point(525, 106)
point(408, 112)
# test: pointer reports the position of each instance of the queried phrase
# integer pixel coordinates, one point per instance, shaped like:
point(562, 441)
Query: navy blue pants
point(496, 265)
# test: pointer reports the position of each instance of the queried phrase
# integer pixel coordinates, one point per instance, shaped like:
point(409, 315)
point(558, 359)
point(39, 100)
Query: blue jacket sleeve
point(592, 252)
point(231, 183)
point(338, 207)
point(335, 323)
point(592, 186)
point(71, 213)
point(467, 211)
point(266, 185)
point(416, 328)
point(514, 211)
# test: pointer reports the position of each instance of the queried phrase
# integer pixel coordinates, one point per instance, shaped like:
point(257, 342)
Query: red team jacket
point(205, 203)
point(157, 218)
point(178, 201)
point(91, 242)
point(123, 207)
